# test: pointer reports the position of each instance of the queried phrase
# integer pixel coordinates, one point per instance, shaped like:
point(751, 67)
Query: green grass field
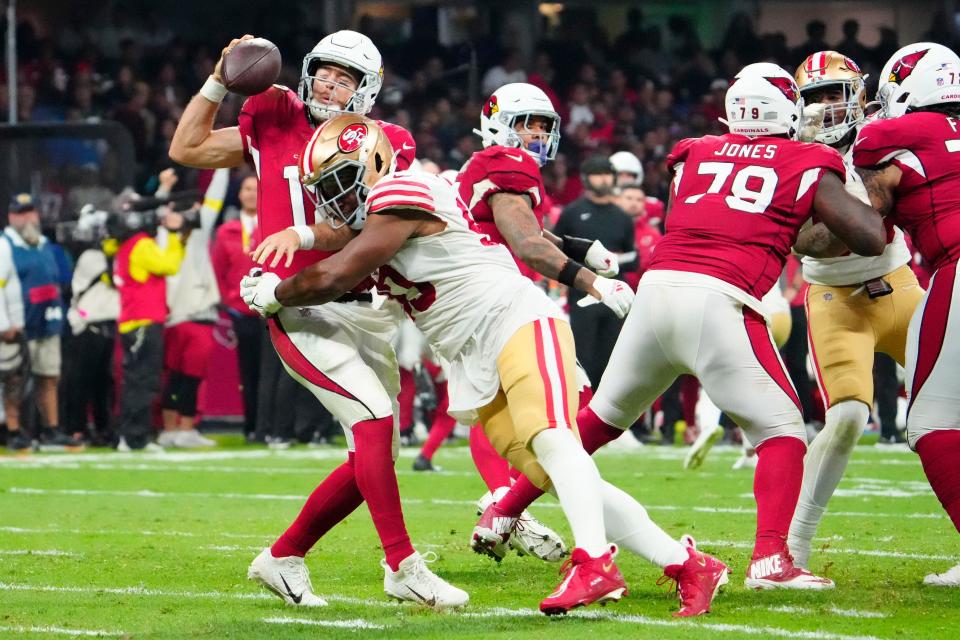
point(157, 546)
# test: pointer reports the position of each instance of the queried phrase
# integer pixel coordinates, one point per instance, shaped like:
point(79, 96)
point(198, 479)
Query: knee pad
point(845, 422)
point(187, 396)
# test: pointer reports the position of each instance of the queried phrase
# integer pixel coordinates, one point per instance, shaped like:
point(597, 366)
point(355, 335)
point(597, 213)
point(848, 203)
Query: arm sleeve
point(404, 146)
point(148, 256)
point(679, 152)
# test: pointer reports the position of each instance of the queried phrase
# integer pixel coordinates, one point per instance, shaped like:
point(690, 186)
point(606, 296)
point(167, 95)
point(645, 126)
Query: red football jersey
point(926, 147)
point(500, 169)
point(738, 205)
point(274, 127)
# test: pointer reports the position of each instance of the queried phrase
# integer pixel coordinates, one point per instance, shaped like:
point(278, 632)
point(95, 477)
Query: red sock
point(586, 394)
point(408, 391)
point(594, 432)
point(520, 496)
point(378, 483)
point(332, 501)
point(442, 425)
point(515, 474)
point(494, 470)
point(940, 454)
point(776, 486)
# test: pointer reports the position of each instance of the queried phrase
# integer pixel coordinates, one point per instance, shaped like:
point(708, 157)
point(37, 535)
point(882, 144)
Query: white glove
point(811, 122)
point(258, 291)
point(602, 260)
point(616, 294)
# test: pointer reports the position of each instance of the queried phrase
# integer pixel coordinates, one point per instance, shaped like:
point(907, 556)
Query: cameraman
point(30, 258)
point(88, 361)
point(139, 272)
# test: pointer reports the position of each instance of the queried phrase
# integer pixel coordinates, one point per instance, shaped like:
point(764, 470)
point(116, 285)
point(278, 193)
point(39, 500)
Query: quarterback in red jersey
point(341, 352)
point(910, 163)
point(738, 202)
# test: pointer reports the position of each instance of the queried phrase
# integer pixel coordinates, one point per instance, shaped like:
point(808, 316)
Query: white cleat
point(530, 536)
point(287, 577)
point(414, 582)
point(949, 578)
point(701, 446)
point(167, 438)
point(191, 439)
point(747, 460)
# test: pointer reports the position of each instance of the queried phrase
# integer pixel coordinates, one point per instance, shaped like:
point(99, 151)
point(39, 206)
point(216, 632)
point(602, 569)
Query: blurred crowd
point(637, 93)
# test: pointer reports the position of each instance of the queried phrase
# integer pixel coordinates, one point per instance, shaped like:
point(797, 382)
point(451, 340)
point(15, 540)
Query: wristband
point(568, 273)
point(575, 248)
point(213, 90)
point(306, 235)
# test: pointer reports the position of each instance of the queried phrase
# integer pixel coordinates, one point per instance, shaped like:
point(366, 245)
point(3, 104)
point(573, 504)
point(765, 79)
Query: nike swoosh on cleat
point(607, 567)
point(296, 599)
point(432, 602)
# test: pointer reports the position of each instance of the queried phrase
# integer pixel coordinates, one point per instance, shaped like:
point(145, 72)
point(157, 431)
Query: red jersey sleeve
point(402, 142)
point(509, 170)
point(680, 152)
point(828, 158)
point(878, 143)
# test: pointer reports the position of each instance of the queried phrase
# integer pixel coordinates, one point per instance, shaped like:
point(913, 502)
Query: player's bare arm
point(880, 184)
point(284, 244)
point(515, 220)
point(196, 143)
point(817, 242)
point(856, 224)
point(382, 236)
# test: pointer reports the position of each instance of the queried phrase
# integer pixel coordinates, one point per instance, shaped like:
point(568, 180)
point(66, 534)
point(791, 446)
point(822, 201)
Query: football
point(251, 66)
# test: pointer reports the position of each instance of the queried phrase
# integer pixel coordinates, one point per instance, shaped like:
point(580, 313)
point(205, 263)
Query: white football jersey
point(462, 290)
point(853, 269)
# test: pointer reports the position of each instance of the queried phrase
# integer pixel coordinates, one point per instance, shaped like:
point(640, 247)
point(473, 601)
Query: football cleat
point(701, 446)
point(287, 577)
point(949, 578)
point(421, 463)
point(586, 580)
point(18, 441)
point(777, 571)
point(491, 533)
point(191, 439)
point(414, 582)
point(530, 536)
point(698, 580)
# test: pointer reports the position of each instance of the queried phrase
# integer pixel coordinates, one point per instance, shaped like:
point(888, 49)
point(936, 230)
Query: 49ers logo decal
point(903, 67)
point(352, 137)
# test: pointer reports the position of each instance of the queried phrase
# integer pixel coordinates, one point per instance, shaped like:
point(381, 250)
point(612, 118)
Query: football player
point(508, 352)
point(736, 205)
point(503, 188)
point(341, 352)
point(910, 163)
point(855, 305)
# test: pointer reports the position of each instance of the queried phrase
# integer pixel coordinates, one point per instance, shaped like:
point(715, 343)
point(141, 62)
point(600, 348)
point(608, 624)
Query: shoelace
point(672, 588)
point(303, 573)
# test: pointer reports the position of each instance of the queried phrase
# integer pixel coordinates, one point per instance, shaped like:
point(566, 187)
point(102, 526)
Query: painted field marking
point(336, 624)
point(97, 633)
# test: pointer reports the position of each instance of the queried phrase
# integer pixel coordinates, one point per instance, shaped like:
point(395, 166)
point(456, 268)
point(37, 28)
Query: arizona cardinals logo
point(903, 67)
point(787, 87)
point(491, 107)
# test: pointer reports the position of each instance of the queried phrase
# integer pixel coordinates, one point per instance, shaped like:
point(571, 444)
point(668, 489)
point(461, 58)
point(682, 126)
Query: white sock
point(577, 483)
point(629, 526)
point(826, 460)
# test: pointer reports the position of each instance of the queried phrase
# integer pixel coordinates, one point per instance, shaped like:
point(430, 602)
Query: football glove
point(811, 122)
point(258, 290)
point(615, 294)
point(602, 260)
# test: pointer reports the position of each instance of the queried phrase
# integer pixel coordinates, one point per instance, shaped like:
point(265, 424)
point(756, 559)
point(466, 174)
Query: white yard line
point(131, 532)
point(149, 493)
point(337, 624)
point(496, 612)
point(876, 553)
point(845, 613)
point(39, 552)
point(97, 633)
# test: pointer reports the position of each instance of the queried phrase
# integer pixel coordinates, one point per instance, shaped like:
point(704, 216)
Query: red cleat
point(698, 580)
point(777, 571)
point(491, 533)
point(586, 580)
